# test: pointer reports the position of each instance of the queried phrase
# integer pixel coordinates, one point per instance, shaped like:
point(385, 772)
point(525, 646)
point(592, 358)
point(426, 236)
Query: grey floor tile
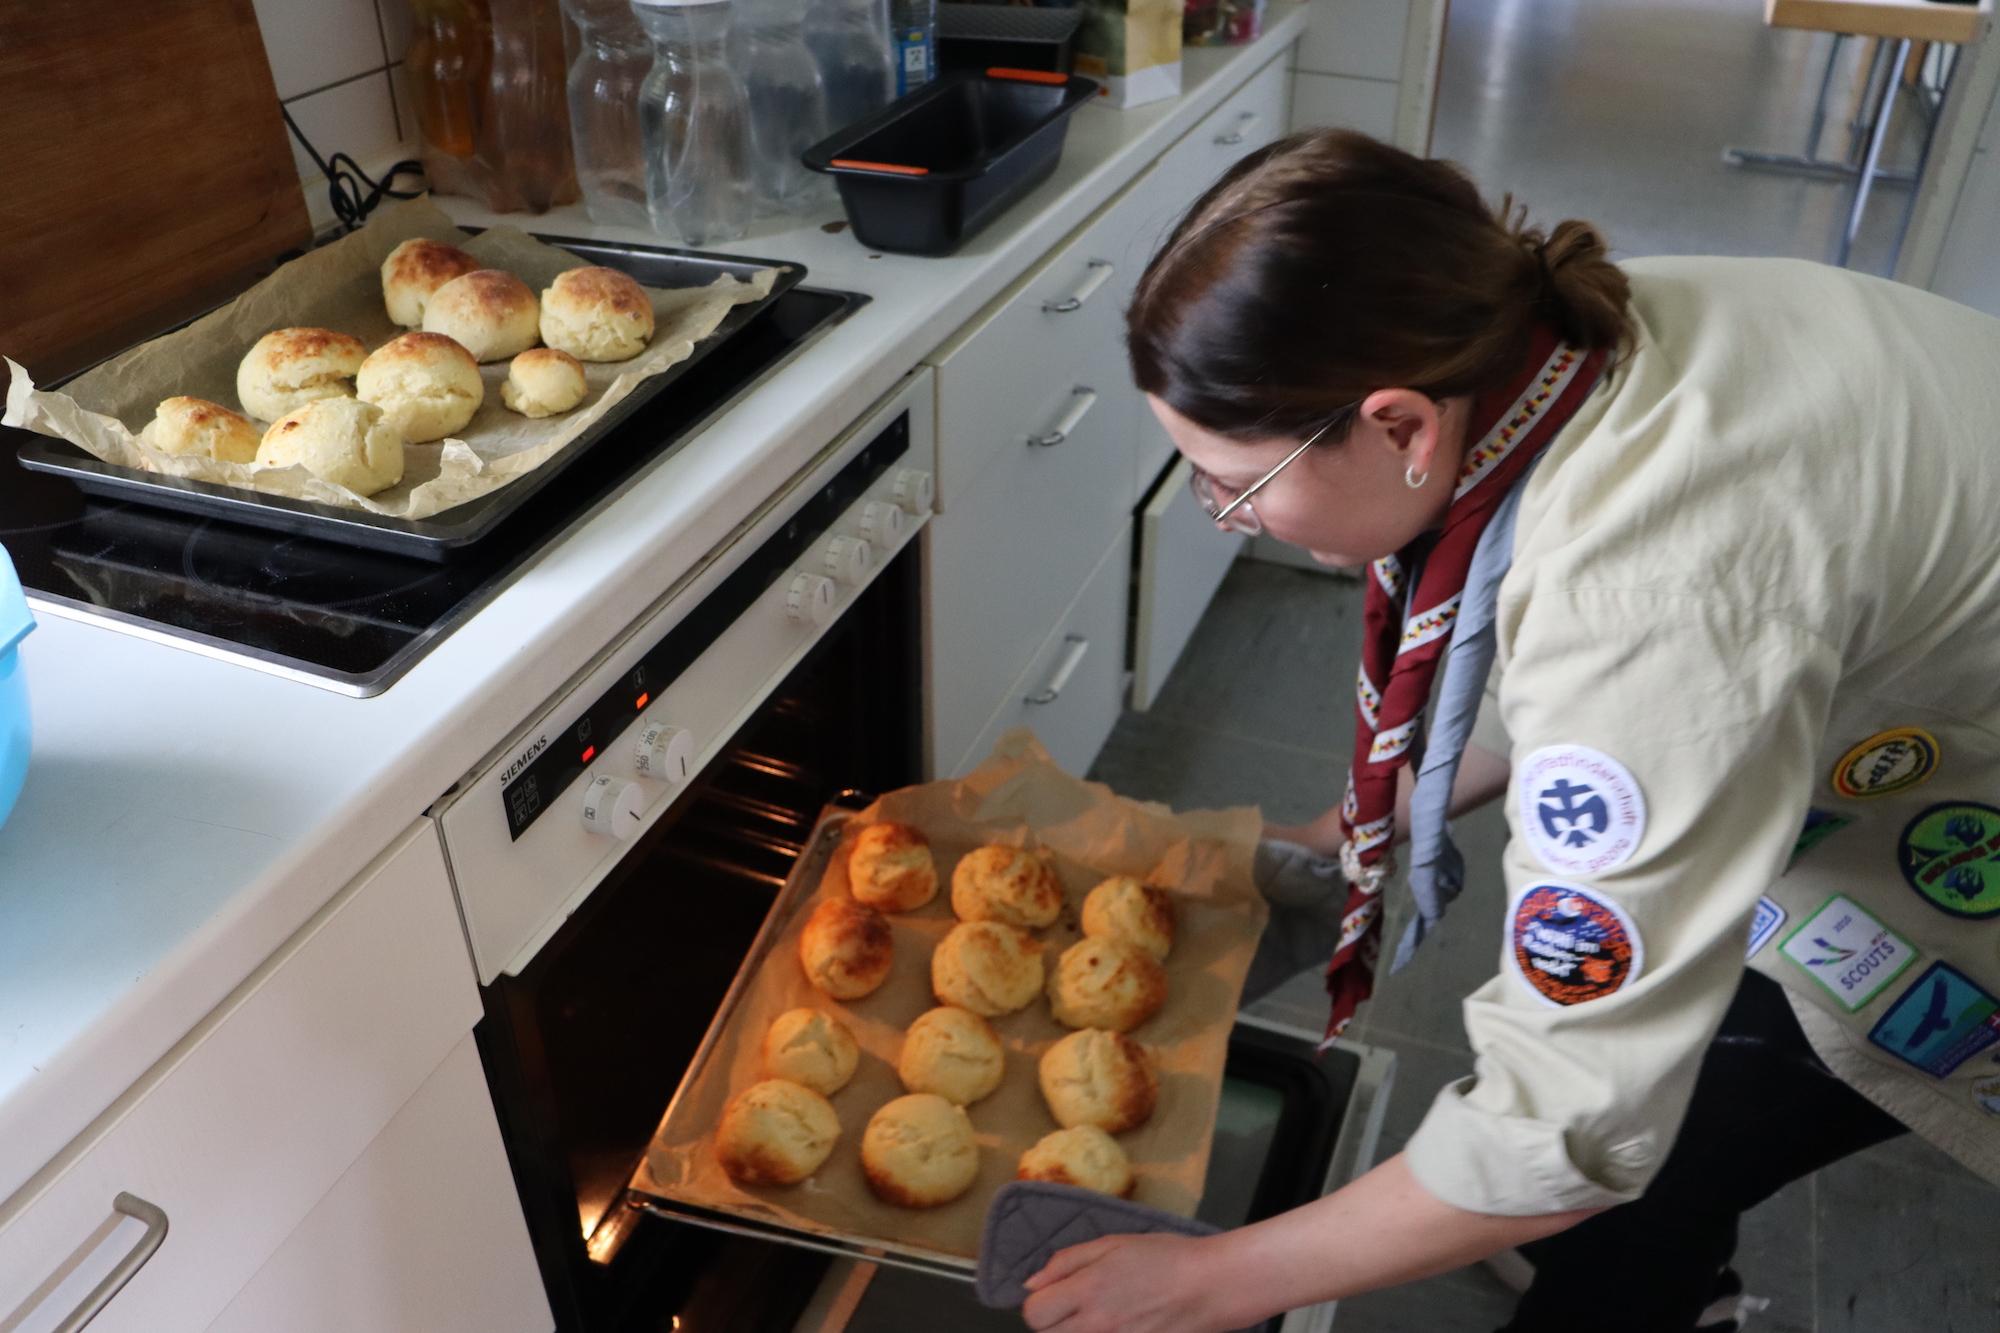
point(1191, 767)
point(1906, 1252)
point(1421, 1071)
point(1467, 1301)
point(1774, 1255)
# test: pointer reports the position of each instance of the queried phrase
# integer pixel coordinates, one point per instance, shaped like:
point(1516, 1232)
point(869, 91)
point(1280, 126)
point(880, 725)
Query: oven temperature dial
point(913, 490)
point(665, 753)
point(847, 559)
point(613, 807)
point(810, 600)
point(881, 523)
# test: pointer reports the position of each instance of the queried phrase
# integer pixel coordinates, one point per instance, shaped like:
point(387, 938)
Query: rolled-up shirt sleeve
point(1714, 712)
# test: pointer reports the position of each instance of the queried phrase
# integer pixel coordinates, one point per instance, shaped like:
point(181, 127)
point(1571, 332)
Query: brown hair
point(1328, 265)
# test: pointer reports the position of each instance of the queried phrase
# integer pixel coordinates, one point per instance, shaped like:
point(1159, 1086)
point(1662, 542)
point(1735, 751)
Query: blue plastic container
point(15, 622)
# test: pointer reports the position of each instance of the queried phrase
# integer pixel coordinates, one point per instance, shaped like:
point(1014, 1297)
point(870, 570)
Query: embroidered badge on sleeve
point(1580, 811)
point(1569, 944)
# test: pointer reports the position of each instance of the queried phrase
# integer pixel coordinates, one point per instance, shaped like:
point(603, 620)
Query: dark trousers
point(1765, 1112)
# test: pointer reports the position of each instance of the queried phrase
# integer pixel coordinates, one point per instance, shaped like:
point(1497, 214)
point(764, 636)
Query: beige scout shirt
point(1756, 581)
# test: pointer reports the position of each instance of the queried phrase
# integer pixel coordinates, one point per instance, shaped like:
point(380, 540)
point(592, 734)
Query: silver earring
point(1414, 479)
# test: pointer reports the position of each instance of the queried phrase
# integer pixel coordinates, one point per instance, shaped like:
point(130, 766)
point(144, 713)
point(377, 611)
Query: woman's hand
point(1125, 1284)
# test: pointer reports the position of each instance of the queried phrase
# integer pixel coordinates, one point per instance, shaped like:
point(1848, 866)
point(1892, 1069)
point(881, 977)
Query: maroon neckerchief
point(1408, 629)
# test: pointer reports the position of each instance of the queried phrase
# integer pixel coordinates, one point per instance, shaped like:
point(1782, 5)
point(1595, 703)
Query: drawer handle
point(92, 1305)
point(1080, 402)
point(1230, 138)
point(1077, 646)
point(1098, 273)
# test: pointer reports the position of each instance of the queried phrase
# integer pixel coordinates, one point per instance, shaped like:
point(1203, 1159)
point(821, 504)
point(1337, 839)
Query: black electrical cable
point(346, 181)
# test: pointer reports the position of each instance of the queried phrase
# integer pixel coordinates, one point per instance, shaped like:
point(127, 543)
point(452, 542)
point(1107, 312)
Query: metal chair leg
point(1878, 134)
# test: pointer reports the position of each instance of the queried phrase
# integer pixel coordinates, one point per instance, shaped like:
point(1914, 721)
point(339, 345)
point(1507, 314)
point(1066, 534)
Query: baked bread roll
point(194, 426)
point(1100, 1078)
point(542, 382)
point(489, 313)
point(1123, 909)
point(597, 314)
point(811, 1047)
point(1106, 984)
point(1006, 884)
point(846, 949)
point(427, 386)
point(288, 368)
point(987, 967)
point(918, 1151)
point(891, 869)
point(953, 1053)
point(339, 440)
point(413, 271)
point(775, 1133)
point(1084, 1156)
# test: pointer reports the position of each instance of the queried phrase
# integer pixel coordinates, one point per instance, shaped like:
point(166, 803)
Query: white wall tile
point(355, 118)
point(406, 104)
point(1360, 38)
point(313, 43)
point(1328, 100)
point(395, 26)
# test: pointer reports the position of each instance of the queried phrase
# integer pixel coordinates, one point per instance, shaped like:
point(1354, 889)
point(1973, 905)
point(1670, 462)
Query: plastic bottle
point(915, 23)
point(695, 117)
point(850, 40)
point(787, 103)
point(608, 65)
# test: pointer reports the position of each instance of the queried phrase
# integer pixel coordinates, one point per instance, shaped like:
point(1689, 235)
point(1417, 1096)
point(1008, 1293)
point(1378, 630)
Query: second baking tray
point(440, 536)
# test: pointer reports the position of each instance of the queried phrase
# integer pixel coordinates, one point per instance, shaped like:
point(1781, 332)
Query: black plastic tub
point(979, 37)
point(932, 168)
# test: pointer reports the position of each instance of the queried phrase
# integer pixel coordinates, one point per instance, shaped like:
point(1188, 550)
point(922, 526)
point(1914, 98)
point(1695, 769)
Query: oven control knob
point(881, 523)
point(613, 807)
point(913, 490)
point(810, 600)
point(665, 754)
point(847, 559)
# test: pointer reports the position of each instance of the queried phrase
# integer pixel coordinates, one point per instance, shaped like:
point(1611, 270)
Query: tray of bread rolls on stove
point(496, 367)
point(946, 997)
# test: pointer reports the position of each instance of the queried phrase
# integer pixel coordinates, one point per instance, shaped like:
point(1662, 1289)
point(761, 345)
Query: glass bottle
point(609, 61)
point(695, 118)
point(787, 104)
point(524, 132)
point(850, 40)
point(450, 48)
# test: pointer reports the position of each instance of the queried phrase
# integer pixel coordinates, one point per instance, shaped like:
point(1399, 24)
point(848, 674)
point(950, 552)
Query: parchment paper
point(339, 286)
point(1018, 797)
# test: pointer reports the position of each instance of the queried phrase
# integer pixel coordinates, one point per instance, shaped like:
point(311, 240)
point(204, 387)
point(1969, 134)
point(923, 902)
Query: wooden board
point(147, 171)
point(1919, 20)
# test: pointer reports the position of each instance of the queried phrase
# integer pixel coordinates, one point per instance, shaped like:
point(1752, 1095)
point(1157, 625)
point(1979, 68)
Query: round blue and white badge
point(1580, 810)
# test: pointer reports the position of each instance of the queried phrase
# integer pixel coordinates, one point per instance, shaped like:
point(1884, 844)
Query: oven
point(616, 859)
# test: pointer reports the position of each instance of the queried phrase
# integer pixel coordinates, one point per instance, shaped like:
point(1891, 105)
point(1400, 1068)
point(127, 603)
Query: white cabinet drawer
point(1073, 689)
point(1252, 116)
point(1183, 558)
point(241, 1129)
point(423, 1233)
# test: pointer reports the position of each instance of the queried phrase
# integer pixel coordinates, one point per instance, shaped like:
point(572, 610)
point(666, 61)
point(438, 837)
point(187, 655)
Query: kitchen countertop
point(184, 816)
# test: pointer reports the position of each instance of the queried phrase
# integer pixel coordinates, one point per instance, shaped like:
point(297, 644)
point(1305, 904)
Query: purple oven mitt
point(1029, 1220)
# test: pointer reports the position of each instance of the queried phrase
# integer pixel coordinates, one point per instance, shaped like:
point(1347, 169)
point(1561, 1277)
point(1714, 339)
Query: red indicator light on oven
point(642, 701)
point(589, 753)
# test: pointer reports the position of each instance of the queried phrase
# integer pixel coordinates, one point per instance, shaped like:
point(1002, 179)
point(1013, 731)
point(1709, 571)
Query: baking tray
point(440, 536)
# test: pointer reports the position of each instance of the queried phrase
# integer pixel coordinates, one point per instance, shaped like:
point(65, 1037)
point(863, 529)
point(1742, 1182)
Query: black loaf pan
point(929, 170)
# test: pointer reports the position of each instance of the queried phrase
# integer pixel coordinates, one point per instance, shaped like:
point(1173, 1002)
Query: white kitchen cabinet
point(240, 1130)
point(1183, 558)
point(422, 1235)
point(1071, 692)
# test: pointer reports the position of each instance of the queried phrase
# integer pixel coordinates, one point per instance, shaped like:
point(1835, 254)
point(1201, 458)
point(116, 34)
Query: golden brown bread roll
point(775, 1133)
point(1006, 884)
point(846, 949)
point(891, 868)
point(288, 368)
point(339, 440)
point(597, 314)
point(1121, 908)
point(953, 1053)
point(919, 1151)
point(427, 386)
point(413, 271)
point(1100, 1078)
point(811, 1047)
point(1084, 1156)
point(488, 312)
point(987, 967)
point(183, 426)
point(542, 382)
point(1106, 984)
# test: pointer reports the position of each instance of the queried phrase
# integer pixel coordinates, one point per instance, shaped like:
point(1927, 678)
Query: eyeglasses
point(1235, 513)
